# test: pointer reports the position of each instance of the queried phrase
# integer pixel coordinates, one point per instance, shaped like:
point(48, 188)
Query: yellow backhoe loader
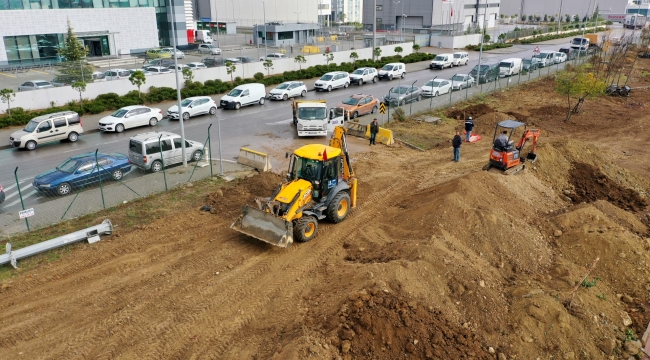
point(320, 185)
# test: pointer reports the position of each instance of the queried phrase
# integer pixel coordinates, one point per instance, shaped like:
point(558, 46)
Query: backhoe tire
point(339, 207)
point(305, 229)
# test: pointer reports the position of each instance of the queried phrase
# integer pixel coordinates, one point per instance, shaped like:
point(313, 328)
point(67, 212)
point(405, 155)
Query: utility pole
point(374, 29)
point(480, 53)
point(559, 17)
point(178, 88)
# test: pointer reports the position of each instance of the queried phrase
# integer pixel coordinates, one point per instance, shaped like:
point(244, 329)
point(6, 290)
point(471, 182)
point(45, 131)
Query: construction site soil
point(439, 260)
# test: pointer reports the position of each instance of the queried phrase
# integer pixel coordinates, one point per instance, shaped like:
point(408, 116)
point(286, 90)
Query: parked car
point(233, 60)
point(364, 74)
point(213, 62)
point(158, 54)
point(460, 58)
point(360, 104)
point(130, 117)
point(570, 53)
point(145, 150)
point(159, 62)
point(60, 80)
point(35, 85)
point(332, 80)
point(489, 72)
point(180, 67)
point(442, 61)
point(436, 87)
point(98, 76)
point(510, 67)
point(196, 65)
point(274, 57)
point(560, 57)
point(158, 70)
point(461, 81)
point(288, 89)
point(193, 106)
point(529, 65)
point(544, 58)
point(80, 171)
point(246, 59)
point(116, 74)
point(65, 125)
point(209, 49)
point(392, 70)
point(242, 95)
point(404, 94)
point(179, 54)
point(2, 195)
point(145, 72)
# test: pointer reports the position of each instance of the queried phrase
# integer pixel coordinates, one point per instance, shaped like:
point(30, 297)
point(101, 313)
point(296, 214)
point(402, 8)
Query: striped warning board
point(382, 108)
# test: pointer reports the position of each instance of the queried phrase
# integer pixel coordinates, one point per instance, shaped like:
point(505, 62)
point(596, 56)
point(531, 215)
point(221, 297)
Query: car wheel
point(197, 155)
point(390, 77)
point(375, 79)
point(403, 74)
point(154, 121)
point(237, 106)
point(374, 110)
point(117, 175)
point(329, 88)
point(31, 145)
point(355, 114)
point(285, 97)
point(400, 103)
point(156, 166)
point(63, 189)
point(186, 116)
point(419, 98)
point(119, 128)
point(345, 86)
point(262, 100)
point(73, 136)
point(360, 82)
point(303, 93)
point(435, 94)
point(213, 110)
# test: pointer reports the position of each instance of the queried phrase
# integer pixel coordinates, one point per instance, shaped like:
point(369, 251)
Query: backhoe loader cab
point(320, 185)
point(505, 155)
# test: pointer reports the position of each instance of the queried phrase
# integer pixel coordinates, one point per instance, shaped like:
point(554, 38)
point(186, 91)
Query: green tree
point(300, 60)
point(596, 14)
point(502, 16)
point(80, 86)
point(568, 18)
point(486, 38)
point(538, 18)
point(7, 95)
point(188, 75)
point(551, 18)
point(545, 18)
point(578, 85)
point(354, 56)
point(416, 48)
point(523, 17)
point(138, 79)
point(268, 64)
point(576, 18)
point(74, 67)
point(531, 17)
point(328, 57)
point(502, 38)
point(398, 50)
point(230, 69)
point(377, 52)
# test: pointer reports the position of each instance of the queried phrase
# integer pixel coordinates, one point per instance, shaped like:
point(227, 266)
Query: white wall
point(455, 42)
point(40, 99)
point(133, 28)
point(251, 12)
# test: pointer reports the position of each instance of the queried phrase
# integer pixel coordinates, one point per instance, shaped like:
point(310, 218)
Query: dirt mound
point(488, 121)
point(228, 201)
point(382, 325)
point(472, 110)
point(548, 111)
point(518, 116)
point(590, 184)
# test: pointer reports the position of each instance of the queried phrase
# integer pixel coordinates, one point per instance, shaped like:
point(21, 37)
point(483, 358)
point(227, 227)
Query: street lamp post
point(584, 25)
point(297, 16)
point(480, 52)
point(559, 17)
point(374, 29)
point(178, 88)
point(264, 37)
point(397, 2)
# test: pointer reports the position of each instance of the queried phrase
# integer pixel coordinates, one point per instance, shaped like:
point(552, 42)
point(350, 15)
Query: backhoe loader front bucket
point(264, 226)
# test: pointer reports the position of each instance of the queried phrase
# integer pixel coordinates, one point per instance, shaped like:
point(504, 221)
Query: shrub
point(399, 114)
point(95, 107)
point(258, 76)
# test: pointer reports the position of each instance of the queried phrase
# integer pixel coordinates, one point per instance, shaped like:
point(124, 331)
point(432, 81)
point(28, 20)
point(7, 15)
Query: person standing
point(456, 142)
point(374, 129)
point(469, 126)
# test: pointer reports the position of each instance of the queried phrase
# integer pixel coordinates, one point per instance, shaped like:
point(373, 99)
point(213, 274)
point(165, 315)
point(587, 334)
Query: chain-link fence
point(95, 181)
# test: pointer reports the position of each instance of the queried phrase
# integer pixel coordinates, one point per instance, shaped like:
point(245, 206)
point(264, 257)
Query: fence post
point(162, 160)
point(210, 151)
point(20, 194)
point(99, 174)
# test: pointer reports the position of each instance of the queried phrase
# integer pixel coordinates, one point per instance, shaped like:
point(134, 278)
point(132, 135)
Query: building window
point(380, 7)
point(285, 35)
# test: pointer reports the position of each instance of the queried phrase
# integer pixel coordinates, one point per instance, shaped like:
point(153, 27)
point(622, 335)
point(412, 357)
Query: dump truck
point(310, 117)
point(320, 184)
point(634, 21)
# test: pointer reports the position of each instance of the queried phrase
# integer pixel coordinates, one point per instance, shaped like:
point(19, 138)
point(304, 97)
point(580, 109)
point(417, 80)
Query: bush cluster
point(488, 47)
point(554, 36)
point(113, 101)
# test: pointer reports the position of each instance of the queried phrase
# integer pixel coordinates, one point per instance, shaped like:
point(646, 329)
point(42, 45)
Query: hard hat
point(469, 118)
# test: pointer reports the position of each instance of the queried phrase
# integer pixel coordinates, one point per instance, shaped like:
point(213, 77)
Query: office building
point(641, 7)
point(247, 13)
point(347, 11)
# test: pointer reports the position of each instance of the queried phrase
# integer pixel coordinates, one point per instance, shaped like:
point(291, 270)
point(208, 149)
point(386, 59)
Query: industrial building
point(247, 13)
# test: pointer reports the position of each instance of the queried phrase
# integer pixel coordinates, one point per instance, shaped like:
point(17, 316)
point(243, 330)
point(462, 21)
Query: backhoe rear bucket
point(264, 226)
point(532, 157)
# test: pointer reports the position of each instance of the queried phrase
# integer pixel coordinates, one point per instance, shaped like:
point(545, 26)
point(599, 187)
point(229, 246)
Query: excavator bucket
point(531, 157)
point(264, 226)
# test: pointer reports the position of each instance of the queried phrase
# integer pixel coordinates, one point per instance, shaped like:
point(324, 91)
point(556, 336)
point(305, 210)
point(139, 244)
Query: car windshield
point(433, 83)
point(483, 68)
point(186, 102)
point(326, 77)
point(457, 78)
point(119, 113)
point(283, 86)
point(504, 64)
point(351, 101)
point(69, 166)
point(399, 90)
point(358, 71)
point(211, 46)
point(439, 58)
point(306, 169)
point(234, 92)
point(312, 113)
point(42, 83)
point(527, 61)
point(31, 126)
point(456, 56)
point(387, 67)
point(539, 56)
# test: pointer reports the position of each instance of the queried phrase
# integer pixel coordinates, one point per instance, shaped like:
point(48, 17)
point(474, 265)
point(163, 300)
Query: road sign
point(536, 51)
point(26, 213)
point(382, 108)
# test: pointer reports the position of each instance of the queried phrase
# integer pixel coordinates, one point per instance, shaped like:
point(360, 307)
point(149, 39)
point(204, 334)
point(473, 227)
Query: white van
point(442, 61)
point(460, 58)
point(242, 95)
point(509, 67)
point(544, 58)
point(392, 70)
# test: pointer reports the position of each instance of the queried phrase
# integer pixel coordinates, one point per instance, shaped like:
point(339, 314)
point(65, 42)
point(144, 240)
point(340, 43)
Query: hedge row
point(539, 38)
point(113, 101)
point(488, 47)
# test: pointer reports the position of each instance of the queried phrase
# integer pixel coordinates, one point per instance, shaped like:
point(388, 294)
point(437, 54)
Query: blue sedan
point(80, 171)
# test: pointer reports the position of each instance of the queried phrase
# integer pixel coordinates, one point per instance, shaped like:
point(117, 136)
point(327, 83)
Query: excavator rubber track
point(264, 226)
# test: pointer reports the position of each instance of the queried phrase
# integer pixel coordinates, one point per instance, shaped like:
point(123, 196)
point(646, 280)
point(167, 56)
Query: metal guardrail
point(91, 234)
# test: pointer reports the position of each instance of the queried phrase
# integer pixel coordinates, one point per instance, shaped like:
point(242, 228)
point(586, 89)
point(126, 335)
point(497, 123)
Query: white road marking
point(281, 122)
point(18, 200)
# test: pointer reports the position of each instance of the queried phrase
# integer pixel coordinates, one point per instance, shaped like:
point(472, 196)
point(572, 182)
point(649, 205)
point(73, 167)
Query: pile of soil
point(227, 202)
point(472, 110)
point(590, 184)
point(378, 324)
point(549, 112)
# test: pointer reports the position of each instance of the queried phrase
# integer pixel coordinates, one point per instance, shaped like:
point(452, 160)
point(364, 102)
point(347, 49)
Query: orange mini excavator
point(504, 155)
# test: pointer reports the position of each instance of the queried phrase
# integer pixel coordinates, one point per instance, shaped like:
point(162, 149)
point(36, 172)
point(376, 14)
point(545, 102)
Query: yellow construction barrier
point(311, 49)
point(282, 51)
point(255, 159)
point(320, 39)
point(333, 37)
point(384, 136)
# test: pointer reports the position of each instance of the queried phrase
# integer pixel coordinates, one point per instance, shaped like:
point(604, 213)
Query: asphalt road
point(251, 126)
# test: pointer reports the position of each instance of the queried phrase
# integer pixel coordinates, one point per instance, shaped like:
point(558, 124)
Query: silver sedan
point(35, 85)
point(461, 81)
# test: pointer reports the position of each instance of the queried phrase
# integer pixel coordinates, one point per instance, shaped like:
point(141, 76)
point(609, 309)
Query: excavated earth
point(439, 260)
